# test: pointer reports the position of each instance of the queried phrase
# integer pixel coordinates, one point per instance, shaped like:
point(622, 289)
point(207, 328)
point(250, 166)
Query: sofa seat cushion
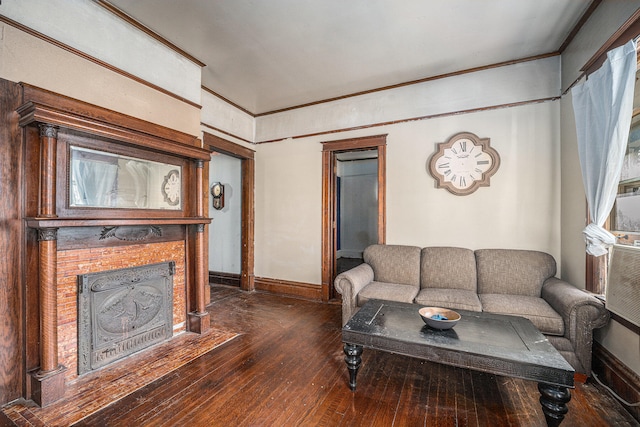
point(388, 292)
point(545, 318)
point(455, 299)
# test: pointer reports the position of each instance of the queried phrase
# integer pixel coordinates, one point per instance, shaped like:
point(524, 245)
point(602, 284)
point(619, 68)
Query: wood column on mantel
point(48, 146)
point(47, 384)
point(199, 320)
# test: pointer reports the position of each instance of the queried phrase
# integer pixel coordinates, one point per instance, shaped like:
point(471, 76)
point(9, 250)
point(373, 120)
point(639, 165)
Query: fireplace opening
point(121, 312)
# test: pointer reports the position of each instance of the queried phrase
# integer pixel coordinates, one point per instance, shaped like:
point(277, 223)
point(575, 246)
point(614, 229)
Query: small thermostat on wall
point(217, 193)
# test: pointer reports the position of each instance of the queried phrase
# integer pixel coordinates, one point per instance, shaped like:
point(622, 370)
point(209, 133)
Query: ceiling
point(269, 55)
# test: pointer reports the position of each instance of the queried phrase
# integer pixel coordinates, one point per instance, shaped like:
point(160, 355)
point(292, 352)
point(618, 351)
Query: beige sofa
point(505, 281)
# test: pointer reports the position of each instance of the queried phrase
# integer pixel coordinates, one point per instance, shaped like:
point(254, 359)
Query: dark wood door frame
point(329, 151)
point(246, 155)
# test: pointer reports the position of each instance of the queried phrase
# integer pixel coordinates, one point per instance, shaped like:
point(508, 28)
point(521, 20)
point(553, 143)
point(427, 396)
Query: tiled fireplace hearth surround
point(64, 241)
point(75, 262)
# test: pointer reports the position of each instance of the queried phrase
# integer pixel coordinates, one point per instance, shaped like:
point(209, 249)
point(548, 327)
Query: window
point(625, 216)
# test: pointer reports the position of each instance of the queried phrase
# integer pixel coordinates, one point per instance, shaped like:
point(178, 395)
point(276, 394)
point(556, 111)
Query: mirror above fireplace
point(100, 179)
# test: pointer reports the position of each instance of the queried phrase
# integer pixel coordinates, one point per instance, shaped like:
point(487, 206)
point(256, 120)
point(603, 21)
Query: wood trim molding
point(246, 155)
point(329, 150)
point(290, 288)
point(224, 132)
point(413, 119)
point(148, 31)
point(221, 145)
point(583, 19)
point(624, 322)
point(82, 116)
point(616, 375)
point(361, 143)
point(328, 224)
point(95, 60)
point(393, 122)
point(629, 30)
point(247, 279)
point(228, 101)
point(382, 194)
point(414, 82)
point(221, 278)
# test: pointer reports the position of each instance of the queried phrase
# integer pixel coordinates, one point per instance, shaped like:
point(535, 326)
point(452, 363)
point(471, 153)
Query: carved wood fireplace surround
point(66, 237)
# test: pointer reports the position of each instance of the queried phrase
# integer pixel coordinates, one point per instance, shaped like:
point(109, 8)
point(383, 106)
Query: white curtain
point(603, 106)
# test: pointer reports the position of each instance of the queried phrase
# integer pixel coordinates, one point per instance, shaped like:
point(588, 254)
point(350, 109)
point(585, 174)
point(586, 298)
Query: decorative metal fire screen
point(123, 311)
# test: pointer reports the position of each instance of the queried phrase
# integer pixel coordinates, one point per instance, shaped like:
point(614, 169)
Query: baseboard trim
point(617, 376)
point(220, 278)
point(286, 287)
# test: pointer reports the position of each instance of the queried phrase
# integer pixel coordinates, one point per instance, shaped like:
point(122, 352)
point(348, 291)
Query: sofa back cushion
point(394, 263)
point(510, 271)
point(448, 268)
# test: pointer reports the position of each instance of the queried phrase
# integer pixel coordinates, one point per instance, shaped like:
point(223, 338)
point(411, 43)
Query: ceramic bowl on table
point(439, 318)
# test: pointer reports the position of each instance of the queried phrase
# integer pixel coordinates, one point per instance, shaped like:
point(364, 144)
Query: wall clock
point(463, 164)
point(171, 187)
point(217, 191)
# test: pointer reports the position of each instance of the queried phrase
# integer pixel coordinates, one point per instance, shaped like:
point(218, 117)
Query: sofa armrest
point(348, 284)
point(582, 313)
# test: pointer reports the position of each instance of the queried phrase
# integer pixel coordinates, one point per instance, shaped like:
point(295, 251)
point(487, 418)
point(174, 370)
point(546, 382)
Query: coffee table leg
point(554, 399)
point(352, 357)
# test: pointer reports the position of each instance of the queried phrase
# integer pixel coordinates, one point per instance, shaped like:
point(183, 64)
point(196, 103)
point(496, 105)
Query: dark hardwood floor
point(286, 368)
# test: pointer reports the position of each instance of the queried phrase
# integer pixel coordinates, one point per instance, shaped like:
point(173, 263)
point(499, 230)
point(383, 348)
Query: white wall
point(606, 20)
point(220, 115)
point(603, 23)
point(497, 86)
point(288, 217)
point(226, 225)
point(521, 208)
point(28, 59)
point(90, 28)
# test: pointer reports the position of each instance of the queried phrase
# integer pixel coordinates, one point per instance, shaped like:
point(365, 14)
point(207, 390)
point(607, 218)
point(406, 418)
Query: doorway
point(225, 211)
point(356, 206)
point(244, 199)
point(366, 226)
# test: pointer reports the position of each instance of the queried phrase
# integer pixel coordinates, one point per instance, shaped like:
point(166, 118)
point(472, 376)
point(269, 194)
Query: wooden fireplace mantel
point(93, 222)
point(49, 122)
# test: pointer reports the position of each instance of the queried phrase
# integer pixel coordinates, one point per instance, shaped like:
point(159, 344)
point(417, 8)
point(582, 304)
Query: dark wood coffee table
point(493, 343)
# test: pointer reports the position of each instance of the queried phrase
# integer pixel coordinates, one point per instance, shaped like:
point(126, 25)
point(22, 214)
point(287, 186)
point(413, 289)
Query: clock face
point(171, 187)
point(463, 164)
